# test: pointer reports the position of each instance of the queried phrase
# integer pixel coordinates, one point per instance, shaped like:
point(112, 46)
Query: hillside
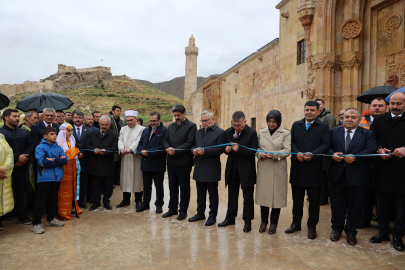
point(120, 90)
point(174, 87)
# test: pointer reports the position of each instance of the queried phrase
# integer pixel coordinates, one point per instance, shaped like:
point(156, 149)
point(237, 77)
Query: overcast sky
point(140, 38)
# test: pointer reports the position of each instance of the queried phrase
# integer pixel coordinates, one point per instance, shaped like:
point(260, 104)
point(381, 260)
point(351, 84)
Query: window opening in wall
point(301, 47)
point(253, 123)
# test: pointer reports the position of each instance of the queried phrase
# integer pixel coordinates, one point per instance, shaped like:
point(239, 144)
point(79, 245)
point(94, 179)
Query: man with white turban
point(131, 174)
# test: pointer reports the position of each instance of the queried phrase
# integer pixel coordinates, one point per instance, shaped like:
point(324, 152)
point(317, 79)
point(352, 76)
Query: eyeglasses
point(205, 121)
point(341, 114)
point(153, 121)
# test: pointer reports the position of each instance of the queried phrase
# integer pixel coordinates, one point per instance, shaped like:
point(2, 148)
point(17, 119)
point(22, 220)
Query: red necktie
point(102, 134)
point(396, 117)
point(178, 124)
point(49, 125)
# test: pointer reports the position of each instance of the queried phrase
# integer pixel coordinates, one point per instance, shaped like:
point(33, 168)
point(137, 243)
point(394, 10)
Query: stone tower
point(190, 84)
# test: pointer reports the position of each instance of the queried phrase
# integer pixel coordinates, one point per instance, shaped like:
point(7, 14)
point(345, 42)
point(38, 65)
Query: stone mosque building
point(329, 49)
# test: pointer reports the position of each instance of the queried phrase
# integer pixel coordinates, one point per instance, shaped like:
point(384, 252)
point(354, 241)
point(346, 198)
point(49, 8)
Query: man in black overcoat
point(240, 169)
point(178, 141)
point(388, 175)
point(207, 170)
point(309, 137)
point(104, 142)
point(349, 176)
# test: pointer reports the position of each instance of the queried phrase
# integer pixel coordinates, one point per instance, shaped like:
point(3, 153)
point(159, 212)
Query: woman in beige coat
point(272, 177)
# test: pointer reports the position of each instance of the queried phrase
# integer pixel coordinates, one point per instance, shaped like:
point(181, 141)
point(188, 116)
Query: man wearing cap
point(131, 174)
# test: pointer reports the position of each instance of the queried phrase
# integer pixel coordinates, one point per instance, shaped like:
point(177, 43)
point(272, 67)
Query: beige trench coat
point(131, 174)
point(272, 176)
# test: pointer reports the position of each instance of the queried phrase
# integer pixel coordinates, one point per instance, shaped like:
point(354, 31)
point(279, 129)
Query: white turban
point(131, 113)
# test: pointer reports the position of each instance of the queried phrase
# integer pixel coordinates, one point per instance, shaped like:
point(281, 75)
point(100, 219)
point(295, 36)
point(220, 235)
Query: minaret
point(190, 84)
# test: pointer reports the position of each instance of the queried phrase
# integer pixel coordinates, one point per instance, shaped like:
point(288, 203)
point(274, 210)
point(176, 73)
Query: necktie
point(348, 140)
point(308, 125)
point(237, 135)
point(396, 117)
point(178, 124)
point(150, 136)
point(78, 134)
point(102, 134)
point(49, 125)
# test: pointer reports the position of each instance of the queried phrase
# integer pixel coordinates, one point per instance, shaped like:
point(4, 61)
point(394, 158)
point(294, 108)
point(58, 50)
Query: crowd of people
point(61, 161)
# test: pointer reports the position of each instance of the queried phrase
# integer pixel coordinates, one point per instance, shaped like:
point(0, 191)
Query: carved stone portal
point(392, 23)
point(351, 28)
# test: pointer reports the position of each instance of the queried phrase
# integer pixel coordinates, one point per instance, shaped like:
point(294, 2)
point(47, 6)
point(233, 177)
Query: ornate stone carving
point(391, 60)
point(350, 60)
point(320, 8)
point(392, 23)
point(393, 80)
point(351, 28)
point(383, 38)
point(310, 91)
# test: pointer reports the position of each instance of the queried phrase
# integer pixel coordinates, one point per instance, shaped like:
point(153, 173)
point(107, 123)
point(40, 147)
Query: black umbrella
point(378, 91)
point(4, 101)
point(40, 101)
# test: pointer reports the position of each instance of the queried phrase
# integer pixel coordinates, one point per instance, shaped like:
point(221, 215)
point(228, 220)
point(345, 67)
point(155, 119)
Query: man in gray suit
point(80, 133)
point(207, 170)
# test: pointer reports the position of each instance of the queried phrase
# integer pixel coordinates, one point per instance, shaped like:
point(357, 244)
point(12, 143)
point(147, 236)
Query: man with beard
point(96, 118)
point(68, 118)
point(20, 142)
point(60, 116)
point(116, 125)
point(88, 121)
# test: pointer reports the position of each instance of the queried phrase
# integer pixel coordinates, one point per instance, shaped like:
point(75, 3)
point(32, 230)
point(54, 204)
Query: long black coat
point(102, 165)
point(388, 175)
point(208, 166)
point(180, 137)
point(245, 158)
point(315, 140)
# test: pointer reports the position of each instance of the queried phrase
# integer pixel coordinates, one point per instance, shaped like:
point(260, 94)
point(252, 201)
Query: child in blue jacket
point(50, 158)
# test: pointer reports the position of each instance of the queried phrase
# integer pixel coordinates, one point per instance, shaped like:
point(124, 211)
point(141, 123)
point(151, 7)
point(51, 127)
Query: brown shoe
point(263, 227)
point(272, 229)
point(335, 236)
point(351, 239)
point(293, 228)
point(312, 233)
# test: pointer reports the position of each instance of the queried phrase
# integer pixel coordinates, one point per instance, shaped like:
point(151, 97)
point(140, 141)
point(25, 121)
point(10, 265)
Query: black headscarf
point(277, 116)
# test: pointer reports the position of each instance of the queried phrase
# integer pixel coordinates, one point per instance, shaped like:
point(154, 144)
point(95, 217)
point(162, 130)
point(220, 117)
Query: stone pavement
point(124, 239)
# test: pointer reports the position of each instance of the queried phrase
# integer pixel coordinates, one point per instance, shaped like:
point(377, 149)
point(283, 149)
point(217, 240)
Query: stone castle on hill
point(65, 76)
point(329, 49)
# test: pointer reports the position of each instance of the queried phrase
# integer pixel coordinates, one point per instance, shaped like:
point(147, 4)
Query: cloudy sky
point(143, 39)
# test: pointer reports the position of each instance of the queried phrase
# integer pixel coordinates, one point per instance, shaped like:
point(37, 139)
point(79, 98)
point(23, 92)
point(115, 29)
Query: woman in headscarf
point(68, 191)
point(6, 168)
point(272, 176)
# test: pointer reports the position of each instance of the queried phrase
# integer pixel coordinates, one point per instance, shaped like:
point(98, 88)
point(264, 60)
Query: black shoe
point(379, 238)
point(196, 217)
point(226, 222)
point(8, 217)
point(94, 207)
point(143, 207)
point(1, 226)
point(25, 220)
point(398, 244)
point(364, 224)
point(107, 206)
point(83, 205)
point(324, 201)
point(182, 215)
point(123, 203)
point(210, 221)
point(169, 214)
point(247, 227)
point(138, 204)
point(159, 210)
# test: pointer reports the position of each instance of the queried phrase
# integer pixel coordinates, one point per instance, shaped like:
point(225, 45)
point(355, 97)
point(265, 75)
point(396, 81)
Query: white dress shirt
point(46, 124)
point(393, 115)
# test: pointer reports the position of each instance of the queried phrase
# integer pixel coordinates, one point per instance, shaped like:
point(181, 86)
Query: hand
point(200, 151)
point(18, 164)
point(80, 155)
point(195, 152)
point(235, 147)
point(300, 157)
point(350, 158)
point(170, 151)
point(228, 149)
point(51, 159)
point(383, 151)
point(3, 174)
point(23, 158)
point(102, 152)
point(96, 151)
point(144, 153)
point(62, 157)
point(336, 157)
point(308, 156)
point(263, 155)
point(399, 152)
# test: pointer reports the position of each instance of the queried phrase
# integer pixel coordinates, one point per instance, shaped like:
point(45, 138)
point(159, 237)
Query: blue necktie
point(78, 134)
point(308, 125)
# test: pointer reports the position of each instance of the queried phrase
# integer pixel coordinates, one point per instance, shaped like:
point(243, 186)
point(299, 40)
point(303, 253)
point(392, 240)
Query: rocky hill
point(120, 90)
point(174, 87)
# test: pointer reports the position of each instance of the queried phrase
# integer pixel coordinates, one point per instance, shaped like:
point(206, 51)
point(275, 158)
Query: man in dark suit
point(309, 137)
point(388, 175)
point(349, 175)
point(80, 132)
point(240, 170)
point(49, 115)
point(180, 135)
point(207, 170)
point(104, 144)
